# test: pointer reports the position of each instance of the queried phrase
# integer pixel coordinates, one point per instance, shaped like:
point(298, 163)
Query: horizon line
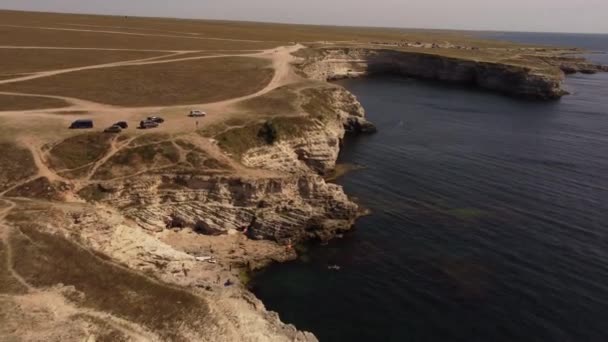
point(302, 24)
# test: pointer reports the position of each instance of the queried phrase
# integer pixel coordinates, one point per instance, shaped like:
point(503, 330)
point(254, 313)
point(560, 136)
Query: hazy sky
point(512, 15)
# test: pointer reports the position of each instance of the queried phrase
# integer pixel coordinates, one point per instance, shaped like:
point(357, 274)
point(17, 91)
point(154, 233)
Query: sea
point(489, 217)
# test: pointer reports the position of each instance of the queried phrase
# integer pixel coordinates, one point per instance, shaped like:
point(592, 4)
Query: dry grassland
point(16, 61)
point(47, 260)
point(10, 102)
point(18, 36)
point(9, 76)
point(79, 150)
point(129, 161)
point(162, 84)
point(16, 163)
point(8, 283)
point(280, 101)
point(280, 34)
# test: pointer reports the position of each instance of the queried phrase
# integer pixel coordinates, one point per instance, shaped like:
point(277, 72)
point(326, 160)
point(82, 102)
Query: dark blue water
point(489, 222)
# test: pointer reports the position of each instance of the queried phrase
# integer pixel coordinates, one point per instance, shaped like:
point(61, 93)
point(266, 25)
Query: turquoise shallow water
point(489, 220)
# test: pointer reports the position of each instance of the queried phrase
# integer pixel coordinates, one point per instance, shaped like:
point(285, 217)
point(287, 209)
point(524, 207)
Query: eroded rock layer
point(293, 208)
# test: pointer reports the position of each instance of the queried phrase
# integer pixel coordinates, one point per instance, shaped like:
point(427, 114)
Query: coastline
point(201, 224)
point(459, 231)
point(346, 67)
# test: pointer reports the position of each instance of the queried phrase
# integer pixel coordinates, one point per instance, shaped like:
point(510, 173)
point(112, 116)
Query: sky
point(576, 16)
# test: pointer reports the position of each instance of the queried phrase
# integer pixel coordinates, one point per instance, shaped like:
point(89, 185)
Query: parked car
point(145, 124)
point(122, 124)
point(197, 114)
point(113, 129)
point(81, 124)
point(155, 119)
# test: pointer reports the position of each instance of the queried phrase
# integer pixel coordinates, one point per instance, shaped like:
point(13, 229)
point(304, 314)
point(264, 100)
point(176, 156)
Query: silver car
point(197, 114)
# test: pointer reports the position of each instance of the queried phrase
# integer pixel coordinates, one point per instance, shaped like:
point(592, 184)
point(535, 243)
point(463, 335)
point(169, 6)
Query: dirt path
point(283, 74)
point(71, 100)
point(39, 159)
point(6, 232)
point(133, 28)
point(281, 59)
point(114, 148)
point(89, 67)
point(4, 211)
point(41, 165)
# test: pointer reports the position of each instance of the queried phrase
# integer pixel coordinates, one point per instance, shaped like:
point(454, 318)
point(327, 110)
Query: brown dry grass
point(46, 260)
point(292, 110)
point(79, 150)
point(72, 112)
point(103, 331)
point(10, 102)
point(280, 101)
point(40, 188)
point(162, 84)
point(16, 163)
point(208, 53)
point(130, 161)
point(16, 61)
point(238, 140)
point(8, 283)
point(239, 30)
point(18, 36)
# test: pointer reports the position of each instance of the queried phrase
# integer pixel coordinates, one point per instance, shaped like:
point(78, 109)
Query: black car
point(145, 124)
point(155, 119)
point(122, 124)
point(113, 129)
point(80, 124)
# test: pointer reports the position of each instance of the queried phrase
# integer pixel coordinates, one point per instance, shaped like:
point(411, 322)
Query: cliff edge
point(537, 76)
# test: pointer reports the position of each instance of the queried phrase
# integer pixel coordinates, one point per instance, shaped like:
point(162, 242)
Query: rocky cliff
point(332, 113)
point(516, 80)
point(295, 208)
point(286, 200)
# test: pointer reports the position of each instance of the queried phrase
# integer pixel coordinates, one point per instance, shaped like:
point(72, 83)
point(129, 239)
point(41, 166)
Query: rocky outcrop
point(232, 313)
point(335, 63)
point(573, 67)
point(295, 208)
point(317, 145)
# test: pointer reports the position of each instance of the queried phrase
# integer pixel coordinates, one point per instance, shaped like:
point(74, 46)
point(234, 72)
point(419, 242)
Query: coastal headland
point(150, 234)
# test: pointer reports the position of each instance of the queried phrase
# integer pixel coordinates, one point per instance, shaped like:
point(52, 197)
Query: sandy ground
point(105, 115)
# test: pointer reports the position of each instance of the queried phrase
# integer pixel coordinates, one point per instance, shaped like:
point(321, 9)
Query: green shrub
point(269, 132)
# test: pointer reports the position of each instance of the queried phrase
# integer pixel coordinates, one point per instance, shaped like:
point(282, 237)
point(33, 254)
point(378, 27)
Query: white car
point(196, 114)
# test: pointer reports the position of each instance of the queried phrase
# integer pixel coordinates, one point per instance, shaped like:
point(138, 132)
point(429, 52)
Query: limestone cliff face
point(509, 79)
point(317, 147)
point(295, 208)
